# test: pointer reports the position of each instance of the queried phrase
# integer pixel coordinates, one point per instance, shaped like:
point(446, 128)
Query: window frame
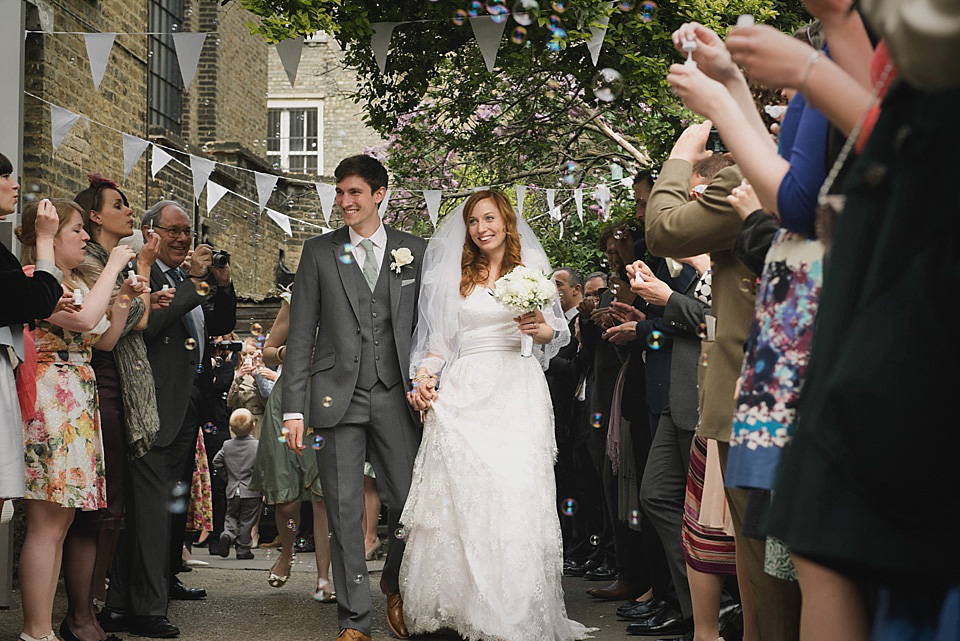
point(164, 84)
point(285, 106)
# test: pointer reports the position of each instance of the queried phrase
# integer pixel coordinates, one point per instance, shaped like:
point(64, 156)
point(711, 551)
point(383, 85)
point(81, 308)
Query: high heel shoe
point(325, 593)
point(277, 581)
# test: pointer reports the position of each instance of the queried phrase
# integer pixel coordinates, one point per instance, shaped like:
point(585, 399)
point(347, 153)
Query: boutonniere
point(401, 258)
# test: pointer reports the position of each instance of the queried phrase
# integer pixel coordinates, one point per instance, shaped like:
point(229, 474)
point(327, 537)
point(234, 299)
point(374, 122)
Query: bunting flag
point(61, 122)
point(602, 195)
point(432, 196)
point(188, 46)
point(552, 209)
point(328, 194)
point(201, 168)
point(282, 220)
point(481, 188)
point(289, 51)
point(578, 199)
point(488, 33)
point(265, 185)
point(98, 52)
point(521, 193)
point(214, 193)
point(380, 41)
point(383, 204)
point(133, 148)
point(159, 160)
point(598, 33)
point(561, 231)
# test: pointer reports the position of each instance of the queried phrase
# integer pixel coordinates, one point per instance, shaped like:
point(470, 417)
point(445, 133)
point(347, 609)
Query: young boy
point(235, 463)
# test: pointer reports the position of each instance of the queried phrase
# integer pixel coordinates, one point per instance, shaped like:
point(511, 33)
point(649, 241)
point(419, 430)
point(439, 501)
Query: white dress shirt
point(379, 240)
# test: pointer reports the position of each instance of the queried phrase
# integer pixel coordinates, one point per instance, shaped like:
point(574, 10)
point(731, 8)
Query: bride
point(483, 547)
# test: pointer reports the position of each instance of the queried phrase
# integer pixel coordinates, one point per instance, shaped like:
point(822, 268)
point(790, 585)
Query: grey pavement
point(241, 606)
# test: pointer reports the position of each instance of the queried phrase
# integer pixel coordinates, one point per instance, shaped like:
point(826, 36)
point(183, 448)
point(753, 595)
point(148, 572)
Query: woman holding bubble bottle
point(64, 450)
point(37, 296)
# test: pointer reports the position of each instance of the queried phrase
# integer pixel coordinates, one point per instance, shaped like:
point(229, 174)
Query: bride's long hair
point(474, 265)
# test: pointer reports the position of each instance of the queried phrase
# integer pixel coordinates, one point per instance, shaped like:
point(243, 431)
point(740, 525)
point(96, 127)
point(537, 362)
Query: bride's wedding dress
point(483, 553)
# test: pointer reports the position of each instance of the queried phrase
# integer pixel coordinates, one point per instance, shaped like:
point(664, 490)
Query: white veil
point(436, 341)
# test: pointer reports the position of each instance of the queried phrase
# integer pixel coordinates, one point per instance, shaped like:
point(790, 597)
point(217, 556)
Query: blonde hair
point(27, 234)
point(241, 422)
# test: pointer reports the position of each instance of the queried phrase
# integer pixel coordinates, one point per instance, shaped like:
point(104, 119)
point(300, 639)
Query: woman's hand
point(770, 58)
point(65, 304)
point(423, 391)
point(744, 199)
point(119, 257)
point(150, 250)
point(267, 373)
point(133, 288)
point(699, 93)
point(528, 323)
point(649, 287)
point(711, 55)
point(47, 220)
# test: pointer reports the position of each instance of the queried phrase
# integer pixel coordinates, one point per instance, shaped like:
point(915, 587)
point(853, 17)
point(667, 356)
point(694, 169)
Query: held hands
point(294, 427)
point(744, 199)
point(161, 299)
point(711, 54)
point(47, 220)
point(423, 391)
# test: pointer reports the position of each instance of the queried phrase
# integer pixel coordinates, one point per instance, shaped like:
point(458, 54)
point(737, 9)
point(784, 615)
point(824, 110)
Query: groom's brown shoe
point(349, 634)
point(395, 612)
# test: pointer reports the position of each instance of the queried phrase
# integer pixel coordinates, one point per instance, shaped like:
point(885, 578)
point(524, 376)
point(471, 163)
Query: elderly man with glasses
point(203, 304)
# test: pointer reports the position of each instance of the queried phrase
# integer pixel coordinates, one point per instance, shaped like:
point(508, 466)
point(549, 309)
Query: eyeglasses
point(174, 232)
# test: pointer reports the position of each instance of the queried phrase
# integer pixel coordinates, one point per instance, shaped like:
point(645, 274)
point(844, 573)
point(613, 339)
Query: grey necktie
point(370, 267)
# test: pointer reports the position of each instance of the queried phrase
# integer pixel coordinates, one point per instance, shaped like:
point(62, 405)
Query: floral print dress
point(63, 448)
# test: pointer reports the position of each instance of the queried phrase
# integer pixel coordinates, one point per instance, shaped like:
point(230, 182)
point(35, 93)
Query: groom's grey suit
point(352, 346)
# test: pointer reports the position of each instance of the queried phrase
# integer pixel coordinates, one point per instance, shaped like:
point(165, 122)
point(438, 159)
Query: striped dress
point(705, 549)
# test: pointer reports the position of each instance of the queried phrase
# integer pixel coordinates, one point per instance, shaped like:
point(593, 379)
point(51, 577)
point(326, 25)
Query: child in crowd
point(235, 462)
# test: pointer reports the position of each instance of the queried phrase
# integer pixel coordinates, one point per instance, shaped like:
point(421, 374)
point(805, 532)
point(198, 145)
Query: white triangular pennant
point(159, 160)
point(383, 203)
point(328, 194)
point(98, 52)
point(201, 168)
point(488, 33)
point(61, 122)
point(265, 185)
point(214, 193)
point(133, 148)
point(578, 199)
point(481, 188)
point(432, 196)
point(282, 220)
point(521, 193)
point(289, 51)
point(561, 229)
point(188, 46)
point(380, 41)
point(602, 195)
point(552, 209)
point(598, 33)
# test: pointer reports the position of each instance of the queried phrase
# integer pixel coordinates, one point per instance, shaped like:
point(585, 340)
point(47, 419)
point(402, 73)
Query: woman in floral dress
point(63, 447)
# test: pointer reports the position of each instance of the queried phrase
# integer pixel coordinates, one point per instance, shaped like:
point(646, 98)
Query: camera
point(233, 346)
point(715, 142)
point(221, 258)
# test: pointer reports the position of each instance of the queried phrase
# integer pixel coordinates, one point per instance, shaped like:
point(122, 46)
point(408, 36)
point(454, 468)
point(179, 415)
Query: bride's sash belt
point(492, 344)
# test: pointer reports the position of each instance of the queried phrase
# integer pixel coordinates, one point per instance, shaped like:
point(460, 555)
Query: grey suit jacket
point(684, 315)
point(174, 366)
point(324, 339)
point(234, 463)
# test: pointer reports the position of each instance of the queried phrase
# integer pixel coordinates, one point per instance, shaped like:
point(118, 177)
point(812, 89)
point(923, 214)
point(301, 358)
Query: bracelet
point(281, 352)
point(806, 71)
point(423, 377)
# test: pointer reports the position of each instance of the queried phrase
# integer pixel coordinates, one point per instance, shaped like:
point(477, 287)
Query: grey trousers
point(242, 515)
point(377, 427)
point(662, 493)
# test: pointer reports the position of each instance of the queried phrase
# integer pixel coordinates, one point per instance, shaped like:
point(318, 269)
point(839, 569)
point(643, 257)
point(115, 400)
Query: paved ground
point(241, 606)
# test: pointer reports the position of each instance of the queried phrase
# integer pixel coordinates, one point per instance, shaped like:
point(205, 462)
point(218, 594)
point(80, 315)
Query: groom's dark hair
point(366, 167)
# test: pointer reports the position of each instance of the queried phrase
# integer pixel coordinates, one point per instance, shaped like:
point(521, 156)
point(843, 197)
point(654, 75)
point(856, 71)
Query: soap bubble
point(346, 253)
point(459, 18)
point(552, 86)
point(475, 8)
point(559, 5)
point(648, 11)
point(626, 5)
point(655, 340)
point(327, 401)
point(203, 288)
point(519, 36)
point(554, 21)
point(256, 329)
point(569, 507)
point(607, 85)
point(190, 344)
point(318, 442)
point(138, 364)
point(635, 517)
point(702, 330)
point(596, 420)
point(594, 540)
point(123, 301)
point(570, 172)
point(400, 533)
point(525, 12)
point(358, 579)
point(291, 525)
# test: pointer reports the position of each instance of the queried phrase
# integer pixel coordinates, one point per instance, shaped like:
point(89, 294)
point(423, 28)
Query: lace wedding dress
point(483, 553)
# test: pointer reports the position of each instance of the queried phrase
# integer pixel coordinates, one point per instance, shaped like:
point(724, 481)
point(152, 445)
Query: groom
point(352, 316)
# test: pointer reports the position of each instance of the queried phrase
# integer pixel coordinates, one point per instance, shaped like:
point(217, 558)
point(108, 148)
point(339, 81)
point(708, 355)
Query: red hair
point(474, 264)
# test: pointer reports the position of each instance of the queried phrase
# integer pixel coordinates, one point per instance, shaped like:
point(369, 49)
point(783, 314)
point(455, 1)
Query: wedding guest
point(235, 462)
point(38, 296)
point(64, 450)
point(176, 337)
point(244, 391)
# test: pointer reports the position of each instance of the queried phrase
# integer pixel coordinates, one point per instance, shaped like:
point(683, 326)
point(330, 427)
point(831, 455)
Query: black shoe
point(182, 593)
point(202, 544)
point(602, 573)
point(731, 621)
point(244, 556)
point(213, 548)
point(112, 620)
point(223, 549)
point(66, 633)
point(156, 627)
point(582, 568)
point(665, 622)
point(688, 636)
point(639, 611)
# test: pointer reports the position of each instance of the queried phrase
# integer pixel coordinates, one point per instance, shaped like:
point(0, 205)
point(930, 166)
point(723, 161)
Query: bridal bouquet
point(524, 290)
